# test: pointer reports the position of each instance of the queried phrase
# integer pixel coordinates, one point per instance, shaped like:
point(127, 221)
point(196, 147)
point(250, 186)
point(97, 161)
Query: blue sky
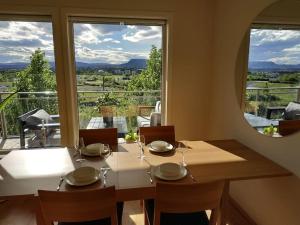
point(93, 42)
point(278, 46)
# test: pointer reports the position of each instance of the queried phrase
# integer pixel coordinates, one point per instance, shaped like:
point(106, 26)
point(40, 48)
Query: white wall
point(268, 201)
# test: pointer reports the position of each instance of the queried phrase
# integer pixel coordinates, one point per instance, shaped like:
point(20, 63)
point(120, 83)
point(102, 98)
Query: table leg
point(224, 205)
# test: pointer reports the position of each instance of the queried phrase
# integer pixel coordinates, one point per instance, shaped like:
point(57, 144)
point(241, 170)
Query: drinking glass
point(141, 143)
point(78, 148)
point(181, 148)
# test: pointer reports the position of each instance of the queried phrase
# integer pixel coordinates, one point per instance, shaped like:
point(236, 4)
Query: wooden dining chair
point(184, 204)
point(163, 133)
point(75, 207)
point(105, 136)
point(286, 127)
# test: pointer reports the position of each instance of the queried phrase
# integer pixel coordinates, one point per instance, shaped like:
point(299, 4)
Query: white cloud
point(93, 33)
point(111, 40)
point(285, 60)
point(18, 40)
point(109, 56)
point(89, 35)
point(144, 33)
point(260, 37)
point(131, 26)
point(293, 50)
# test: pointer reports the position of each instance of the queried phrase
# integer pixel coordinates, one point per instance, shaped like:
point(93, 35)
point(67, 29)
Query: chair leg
point(146, 221)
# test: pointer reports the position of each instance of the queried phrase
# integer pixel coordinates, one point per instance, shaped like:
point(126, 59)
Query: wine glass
point(141, 143)
point(181, 148)
point(78, 148)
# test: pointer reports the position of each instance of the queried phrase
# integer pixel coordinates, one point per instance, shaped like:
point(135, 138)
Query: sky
point(278, 46)
point(94, 43)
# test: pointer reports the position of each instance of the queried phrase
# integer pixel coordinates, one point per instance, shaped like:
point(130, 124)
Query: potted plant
point(105, 105)
point(270, 130)
point(131, 137)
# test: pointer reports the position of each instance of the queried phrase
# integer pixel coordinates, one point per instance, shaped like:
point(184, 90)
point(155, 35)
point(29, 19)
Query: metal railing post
point(3, 122)
point(256, 100)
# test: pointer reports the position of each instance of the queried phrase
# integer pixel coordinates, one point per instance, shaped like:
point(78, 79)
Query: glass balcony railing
point(258, 100)
point(126, 108)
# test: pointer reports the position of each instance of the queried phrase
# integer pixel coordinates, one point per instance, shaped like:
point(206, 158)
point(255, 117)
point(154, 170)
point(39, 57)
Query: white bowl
point(159, 145)
point(95, 148)
point(84, 174)
point(170, 169)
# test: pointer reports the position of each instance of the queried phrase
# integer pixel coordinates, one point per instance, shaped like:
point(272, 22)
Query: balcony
point(127, 108)
point(264, 106)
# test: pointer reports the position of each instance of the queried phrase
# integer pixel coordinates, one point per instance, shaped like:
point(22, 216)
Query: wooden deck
point(13, 143)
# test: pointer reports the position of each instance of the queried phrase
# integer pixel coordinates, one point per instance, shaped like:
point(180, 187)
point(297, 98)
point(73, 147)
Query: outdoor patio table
point(119, 122)
point(24, 172)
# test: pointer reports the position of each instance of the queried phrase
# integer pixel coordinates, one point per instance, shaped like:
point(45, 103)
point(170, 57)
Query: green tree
point(37, 76)
point(149, 79)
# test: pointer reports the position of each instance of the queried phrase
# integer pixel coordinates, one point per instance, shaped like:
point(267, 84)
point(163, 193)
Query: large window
point(27, 72)
point(119, 72)
point(272, 90)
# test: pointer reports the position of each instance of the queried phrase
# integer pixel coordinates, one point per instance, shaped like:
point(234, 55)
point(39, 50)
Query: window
point(119, 72)
point(27, 67)
point(273, 77)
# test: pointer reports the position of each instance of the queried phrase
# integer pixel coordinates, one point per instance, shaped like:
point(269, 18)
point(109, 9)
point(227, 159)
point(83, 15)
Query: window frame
point(44, 15)
point(126, 21)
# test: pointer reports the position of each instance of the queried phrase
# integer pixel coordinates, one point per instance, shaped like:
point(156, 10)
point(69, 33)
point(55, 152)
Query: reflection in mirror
point(271, 92)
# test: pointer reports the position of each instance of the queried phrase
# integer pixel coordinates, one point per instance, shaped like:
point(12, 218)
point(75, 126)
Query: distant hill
point(10, 66)
point(131, 64)
point(135, 63)
point(268, 66)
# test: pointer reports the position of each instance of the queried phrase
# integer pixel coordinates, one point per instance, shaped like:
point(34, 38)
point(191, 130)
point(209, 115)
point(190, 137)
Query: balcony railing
point(257, 100)
point(129, 101)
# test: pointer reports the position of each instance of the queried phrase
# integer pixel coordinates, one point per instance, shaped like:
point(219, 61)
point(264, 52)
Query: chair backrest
point(187, 198)
point(292, 111)
point(287, 127)
point(78, 206)
point(158, 107)
point(105, 136)
point(164, 133)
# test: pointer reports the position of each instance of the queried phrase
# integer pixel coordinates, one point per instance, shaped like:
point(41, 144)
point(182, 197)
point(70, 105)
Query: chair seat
point(196, 218)
point(105, 221)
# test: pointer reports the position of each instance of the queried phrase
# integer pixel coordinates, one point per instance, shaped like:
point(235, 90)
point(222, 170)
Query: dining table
point(27, 171)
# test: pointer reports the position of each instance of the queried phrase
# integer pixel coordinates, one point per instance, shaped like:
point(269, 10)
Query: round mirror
point(268, 70)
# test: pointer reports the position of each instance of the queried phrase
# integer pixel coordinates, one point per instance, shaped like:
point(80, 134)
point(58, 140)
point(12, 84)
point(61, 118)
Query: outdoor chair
point(291, 112)
point(152, 119)
point(84, 207)
point(33, 121)
point(290, 122)
point(178, 204)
